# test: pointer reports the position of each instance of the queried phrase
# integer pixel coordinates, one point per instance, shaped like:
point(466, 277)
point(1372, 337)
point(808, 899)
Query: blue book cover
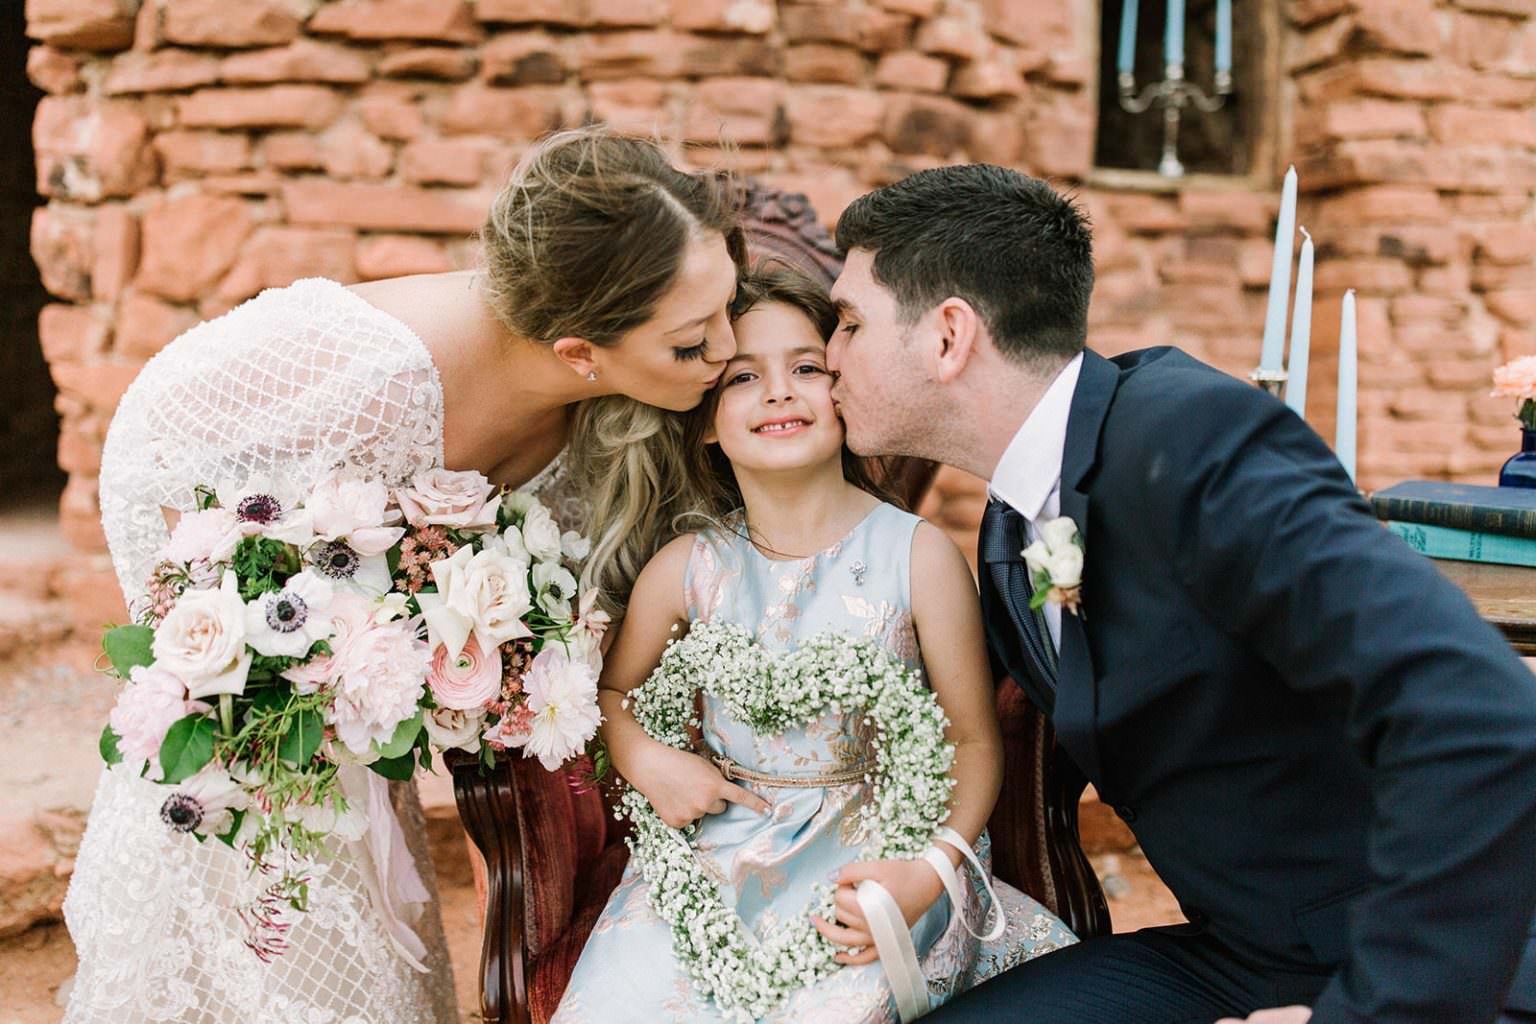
point(1505, 510)
point(1466, 545)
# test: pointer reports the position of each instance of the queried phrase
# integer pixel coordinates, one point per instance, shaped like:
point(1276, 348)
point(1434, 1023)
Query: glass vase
point(1520, 470)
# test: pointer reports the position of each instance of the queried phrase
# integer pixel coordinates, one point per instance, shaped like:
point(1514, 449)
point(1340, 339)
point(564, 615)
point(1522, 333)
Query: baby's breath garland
point(749, 976)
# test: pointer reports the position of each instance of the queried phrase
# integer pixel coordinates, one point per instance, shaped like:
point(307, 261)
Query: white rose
point(202, 641)
point(463, 500)
point(346, 507)
point(449, 729)
point(485, 593)
point(286, 623)
point(541, 534)
point(1058, 533)
point(512, 537)
point(575, 546)
point(518, 502)
point(1037, 557)
point(1066, 565)
point(556, 588)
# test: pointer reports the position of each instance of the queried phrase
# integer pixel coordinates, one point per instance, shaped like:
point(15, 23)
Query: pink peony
point(464, 500)
point(562, 695)
point(465, 681)
point(1516, 379)
point(152, 702)
point(198, 534)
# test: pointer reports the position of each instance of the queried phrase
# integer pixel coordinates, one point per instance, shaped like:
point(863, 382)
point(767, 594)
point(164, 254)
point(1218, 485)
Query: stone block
point(754, 17)
point(348, 150)
point(445, 62)
point(709, 56)
point(1507, 242)
point(53, 70)
point(624, 13)
point(161, 71)
point(70, 333)
point(1038, 24)
point(437, 162)
point(291, 151)
point(278, 106)
point(145, 325)
point(993, 78)
point(89, 150)
point(384, 207)
point(1059, 137)
point(447, 20)
point(391, 117)
point(100, 385)
point(218, 23)
point(382, 256)
point(955, 36)
point(626, 54)
point(815, 23)
point(1479, 41)
point(822, 62)
point(880, 31)
point(832, 115)
point(1457, 124)
point(518, 114)
point(82, 24)
point(189, 242)
point(912, 71)
point(1362, 119)
point(63, 248)
point(1364, 275)
point(1409, 27)
point(278, 256)
point(116, 245)
point(933, 125)
point(185, 153)
point(519, 12)
point(1383, 204)
point(524, 58)
point(1515, 307)
point(304, 60)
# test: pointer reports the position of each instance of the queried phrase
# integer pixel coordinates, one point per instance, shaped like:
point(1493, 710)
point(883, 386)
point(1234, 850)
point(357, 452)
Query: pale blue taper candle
point(1344, 438)
point(1223, 35)
point(1127, 61)
point(1173, 38)
point(1272, 354)
point(1301, 332)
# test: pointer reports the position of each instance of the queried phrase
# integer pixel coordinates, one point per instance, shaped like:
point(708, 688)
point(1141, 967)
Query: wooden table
point(1505, 595)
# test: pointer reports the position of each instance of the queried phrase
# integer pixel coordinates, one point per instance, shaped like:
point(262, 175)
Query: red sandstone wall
point(195, 151)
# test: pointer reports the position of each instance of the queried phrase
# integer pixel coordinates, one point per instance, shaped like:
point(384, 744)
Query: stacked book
point(1462, 521)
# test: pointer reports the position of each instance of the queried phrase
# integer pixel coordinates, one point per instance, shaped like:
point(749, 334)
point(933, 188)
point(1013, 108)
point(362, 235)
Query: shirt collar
point(1030, 470)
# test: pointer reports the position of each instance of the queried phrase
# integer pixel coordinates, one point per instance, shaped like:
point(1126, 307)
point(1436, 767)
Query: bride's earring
point(592, 375)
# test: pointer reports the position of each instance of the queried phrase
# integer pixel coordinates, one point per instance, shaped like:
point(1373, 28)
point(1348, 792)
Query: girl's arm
point(681, 786)
point(947, 614)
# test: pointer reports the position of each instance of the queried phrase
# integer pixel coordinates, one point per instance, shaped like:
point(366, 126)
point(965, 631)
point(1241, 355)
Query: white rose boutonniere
point(1055, 564)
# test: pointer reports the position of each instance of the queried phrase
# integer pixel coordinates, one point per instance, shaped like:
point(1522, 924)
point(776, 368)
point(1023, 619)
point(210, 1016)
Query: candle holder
point(1272, 381)
point(1173, 94)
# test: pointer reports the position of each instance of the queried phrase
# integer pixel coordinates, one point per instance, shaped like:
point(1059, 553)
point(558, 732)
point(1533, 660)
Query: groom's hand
point(1279, 1015)
point(913, 884)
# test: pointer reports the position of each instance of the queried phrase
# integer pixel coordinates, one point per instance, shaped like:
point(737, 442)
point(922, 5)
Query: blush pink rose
point(152, 702)
point(462, 499)
point(465, 681)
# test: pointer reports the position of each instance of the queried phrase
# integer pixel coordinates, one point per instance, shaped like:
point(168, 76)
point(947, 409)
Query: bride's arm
point(681, 786)
point(947, 615)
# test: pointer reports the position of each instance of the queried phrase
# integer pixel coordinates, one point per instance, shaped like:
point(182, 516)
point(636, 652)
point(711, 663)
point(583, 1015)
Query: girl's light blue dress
point(768, 865)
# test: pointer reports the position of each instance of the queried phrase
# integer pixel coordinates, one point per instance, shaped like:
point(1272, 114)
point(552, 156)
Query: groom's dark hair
point(1017, 250)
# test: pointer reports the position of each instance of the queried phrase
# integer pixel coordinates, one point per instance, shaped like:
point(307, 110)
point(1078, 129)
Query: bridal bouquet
point(287, 640)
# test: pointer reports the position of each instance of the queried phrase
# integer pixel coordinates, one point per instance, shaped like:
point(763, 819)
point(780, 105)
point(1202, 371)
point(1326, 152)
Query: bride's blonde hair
point(649, 474)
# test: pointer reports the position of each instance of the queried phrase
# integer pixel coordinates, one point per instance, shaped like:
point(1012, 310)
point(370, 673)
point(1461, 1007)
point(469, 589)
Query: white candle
point(1273, 352)
point(1344, 439)
point(1301, 332)
point(1127, 62)
point(1173, 38)
point(1223, 35)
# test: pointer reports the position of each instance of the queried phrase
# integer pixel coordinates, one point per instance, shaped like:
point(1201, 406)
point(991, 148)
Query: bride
point(607, 271)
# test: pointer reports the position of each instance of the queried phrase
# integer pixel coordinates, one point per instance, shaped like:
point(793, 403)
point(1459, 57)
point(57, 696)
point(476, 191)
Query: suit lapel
point(1077, 696)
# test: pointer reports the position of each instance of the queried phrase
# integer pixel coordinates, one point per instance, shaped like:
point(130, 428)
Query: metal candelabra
point(1173, 93)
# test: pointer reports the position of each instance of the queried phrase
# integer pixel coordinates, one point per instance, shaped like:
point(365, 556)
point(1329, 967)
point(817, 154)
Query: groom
point(1323, 751)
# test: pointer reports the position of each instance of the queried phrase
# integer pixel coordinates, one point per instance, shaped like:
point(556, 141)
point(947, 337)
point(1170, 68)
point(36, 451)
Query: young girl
point(793, 542)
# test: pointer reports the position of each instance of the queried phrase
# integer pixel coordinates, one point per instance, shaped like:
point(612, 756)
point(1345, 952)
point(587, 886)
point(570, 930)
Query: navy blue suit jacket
point(1325, 753)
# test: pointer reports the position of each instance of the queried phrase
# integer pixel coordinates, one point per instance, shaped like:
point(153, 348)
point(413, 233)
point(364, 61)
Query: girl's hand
point(913, 884)
point(683, 787)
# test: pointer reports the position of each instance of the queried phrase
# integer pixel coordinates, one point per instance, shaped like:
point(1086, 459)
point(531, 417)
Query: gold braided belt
point(842, 777)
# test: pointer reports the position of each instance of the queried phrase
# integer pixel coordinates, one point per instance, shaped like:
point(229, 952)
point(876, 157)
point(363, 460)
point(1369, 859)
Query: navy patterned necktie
point(1003, 537)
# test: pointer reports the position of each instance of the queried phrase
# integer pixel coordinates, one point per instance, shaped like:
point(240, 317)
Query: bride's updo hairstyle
point(584, 241)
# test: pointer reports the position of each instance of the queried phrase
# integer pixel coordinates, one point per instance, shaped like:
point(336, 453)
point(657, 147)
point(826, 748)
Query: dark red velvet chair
point(554, 852)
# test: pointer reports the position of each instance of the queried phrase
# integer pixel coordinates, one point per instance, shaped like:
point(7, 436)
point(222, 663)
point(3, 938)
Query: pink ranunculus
point(1516, 378)
point(465, 681)
point(464, 499)
point(152, 702)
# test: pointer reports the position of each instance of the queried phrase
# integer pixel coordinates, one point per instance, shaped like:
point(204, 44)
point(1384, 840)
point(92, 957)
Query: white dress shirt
point(1028, 476)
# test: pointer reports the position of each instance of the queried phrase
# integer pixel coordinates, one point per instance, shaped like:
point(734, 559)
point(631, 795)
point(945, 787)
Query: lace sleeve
point(290, 384)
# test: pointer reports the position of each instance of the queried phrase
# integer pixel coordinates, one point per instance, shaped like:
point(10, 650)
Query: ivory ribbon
point(893, 940)
point(394, 885)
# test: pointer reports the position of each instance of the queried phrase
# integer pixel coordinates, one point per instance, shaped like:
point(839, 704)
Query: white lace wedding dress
point(289, 385)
